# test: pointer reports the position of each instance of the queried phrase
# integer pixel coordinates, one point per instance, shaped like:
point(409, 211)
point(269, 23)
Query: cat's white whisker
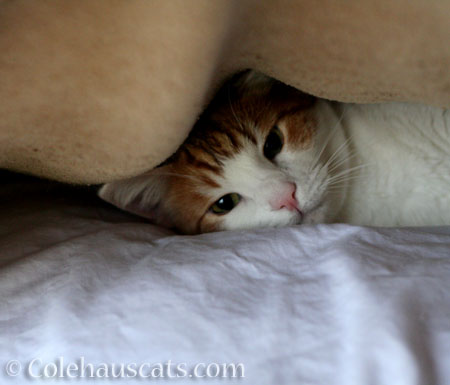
point(352, 154)
point(329, 137)
point(341, 148)
point(344, 173)
point(349, 170)
point(338, 183)
point(318, 168)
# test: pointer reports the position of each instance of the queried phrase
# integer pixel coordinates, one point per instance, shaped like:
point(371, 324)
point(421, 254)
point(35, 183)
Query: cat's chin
point(318, 214)
point(313, 217)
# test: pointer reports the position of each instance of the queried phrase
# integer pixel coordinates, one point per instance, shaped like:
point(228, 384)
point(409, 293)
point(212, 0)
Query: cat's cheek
point(318, 215)
point(211, 223)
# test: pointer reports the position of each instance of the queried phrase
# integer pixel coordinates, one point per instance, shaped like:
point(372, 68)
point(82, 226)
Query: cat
point(264, 154)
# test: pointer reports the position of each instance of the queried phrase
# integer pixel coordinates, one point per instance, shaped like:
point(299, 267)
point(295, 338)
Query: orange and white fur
point(264, 154)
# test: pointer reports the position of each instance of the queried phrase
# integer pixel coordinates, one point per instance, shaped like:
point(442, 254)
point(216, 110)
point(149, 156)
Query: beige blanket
point(93, 91)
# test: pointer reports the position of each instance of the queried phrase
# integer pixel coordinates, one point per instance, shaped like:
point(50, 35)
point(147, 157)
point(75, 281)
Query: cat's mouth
point(313, 215)
point(299, 217)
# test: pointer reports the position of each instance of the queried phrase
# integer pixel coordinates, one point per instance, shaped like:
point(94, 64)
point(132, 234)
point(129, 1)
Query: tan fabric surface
point(93, 91)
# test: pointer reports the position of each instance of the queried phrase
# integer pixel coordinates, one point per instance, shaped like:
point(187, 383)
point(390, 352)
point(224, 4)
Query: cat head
point(252, 160)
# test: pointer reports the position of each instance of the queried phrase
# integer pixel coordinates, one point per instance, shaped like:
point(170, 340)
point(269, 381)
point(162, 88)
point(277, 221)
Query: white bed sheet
point(301, 305)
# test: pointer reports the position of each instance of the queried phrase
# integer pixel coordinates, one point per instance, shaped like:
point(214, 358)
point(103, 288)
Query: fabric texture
point(112, 88)
point(327, 304)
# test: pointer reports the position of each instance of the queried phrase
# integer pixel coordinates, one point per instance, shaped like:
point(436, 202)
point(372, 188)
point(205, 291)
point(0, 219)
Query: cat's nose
point(285, 198)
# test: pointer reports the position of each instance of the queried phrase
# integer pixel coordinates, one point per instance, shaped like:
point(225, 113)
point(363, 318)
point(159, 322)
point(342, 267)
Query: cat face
point(254, 159)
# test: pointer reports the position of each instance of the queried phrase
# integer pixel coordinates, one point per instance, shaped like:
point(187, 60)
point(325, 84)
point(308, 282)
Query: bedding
point(98, 91)
point(84, 284)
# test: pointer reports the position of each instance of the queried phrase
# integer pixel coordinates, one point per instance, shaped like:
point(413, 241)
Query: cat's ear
point(252, 80)
point(142, 195)
point(255, 83)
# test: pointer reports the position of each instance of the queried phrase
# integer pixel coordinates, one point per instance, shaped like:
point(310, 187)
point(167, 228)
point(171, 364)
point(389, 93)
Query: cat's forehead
point(246, 119)
point(210, 164)
point(222, 137)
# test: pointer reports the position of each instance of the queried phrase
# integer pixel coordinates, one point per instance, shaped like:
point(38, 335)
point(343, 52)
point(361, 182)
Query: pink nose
point(285, 199)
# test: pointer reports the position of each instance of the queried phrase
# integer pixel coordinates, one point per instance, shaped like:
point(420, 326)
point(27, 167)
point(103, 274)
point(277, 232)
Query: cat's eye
point(225, 204)
point(273, 143)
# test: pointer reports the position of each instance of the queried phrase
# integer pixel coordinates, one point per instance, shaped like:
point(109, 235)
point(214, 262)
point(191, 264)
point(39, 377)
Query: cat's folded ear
point(250, 81)
point(142, 195)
